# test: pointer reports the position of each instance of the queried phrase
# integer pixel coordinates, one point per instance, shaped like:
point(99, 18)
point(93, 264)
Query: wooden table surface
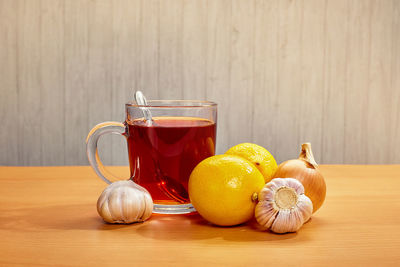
point(48, 217)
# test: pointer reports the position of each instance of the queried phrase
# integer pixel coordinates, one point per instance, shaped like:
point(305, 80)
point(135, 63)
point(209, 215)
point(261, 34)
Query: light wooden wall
point(283, 72)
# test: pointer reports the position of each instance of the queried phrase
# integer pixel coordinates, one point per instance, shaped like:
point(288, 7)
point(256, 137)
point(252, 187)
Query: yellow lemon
point(222, 189)
point(257, 155)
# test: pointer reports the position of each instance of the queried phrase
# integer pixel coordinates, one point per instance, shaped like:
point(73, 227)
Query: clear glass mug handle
point(91, 147)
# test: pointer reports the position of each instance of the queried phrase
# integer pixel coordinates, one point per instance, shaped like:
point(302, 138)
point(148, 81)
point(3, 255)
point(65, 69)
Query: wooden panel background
point(283, 72)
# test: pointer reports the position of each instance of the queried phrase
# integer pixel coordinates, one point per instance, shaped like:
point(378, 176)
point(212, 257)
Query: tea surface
point(163, 155)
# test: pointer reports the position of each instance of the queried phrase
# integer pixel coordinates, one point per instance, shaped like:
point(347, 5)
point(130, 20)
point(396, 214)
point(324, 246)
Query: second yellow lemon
point(257, 155)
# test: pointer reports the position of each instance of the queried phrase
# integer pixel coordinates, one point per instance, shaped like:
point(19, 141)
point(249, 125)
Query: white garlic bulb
point(125, 202)
point(282, 206)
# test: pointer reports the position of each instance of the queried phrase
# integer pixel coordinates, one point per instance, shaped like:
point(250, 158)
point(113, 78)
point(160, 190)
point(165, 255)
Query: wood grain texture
point(395, 82)
point(219, 33)
point(8, 83)
point(52, 90)
point(358, 81)
point(265, 96)
point(100, 59)
point(148, 53)
point(240, 113)
point(194, 48)
point(289, 67)
point(380, 93)
point(334, 93)
point(312, 53)
point(125, 69)
point(282, 72)
point(170, 66)
point(29, 86)
point(50, 218)
point(76, 53)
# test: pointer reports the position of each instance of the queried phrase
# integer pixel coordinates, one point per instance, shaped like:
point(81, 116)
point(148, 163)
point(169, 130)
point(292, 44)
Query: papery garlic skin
point(282, 206)
point(125, 202)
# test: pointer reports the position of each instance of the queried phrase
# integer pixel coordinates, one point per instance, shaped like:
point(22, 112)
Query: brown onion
point(305, 169)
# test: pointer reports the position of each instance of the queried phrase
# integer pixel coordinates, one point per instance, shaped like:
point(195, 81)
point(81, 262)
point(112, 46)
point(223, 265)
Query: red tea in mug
point(162, 155)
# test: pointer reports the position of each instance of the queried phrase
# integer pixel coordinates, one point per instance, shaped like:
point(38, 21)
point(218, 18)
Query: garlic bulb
point(125, 202)
point(282, 206)
point(305, 169)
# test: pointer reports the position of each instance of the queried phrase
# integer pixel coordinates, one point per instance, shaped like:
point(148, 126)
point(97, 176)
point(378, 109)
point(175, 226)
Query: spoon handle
point(141, 100)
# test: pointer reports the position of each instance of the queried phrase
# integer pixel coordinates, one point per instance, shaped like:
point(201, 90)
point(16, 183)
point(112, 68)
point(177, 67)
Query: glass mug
point(162, 151)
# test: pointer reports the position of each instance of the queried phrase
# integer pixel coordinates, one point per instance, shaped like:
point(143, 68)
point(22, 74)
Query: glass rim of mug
point(173, 104)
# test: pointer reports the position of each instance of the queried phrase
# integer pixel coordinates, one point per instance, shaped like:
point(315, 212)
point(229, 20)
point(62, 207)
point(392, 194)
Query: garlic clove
point(272, 219)
point(131, 207)
point(265, 213)
point(148, 207)
point(286, 221)
point(104, 210)
point(292, 183)
point(282, 206)
point(279, 182)
point(115, 206)
point(305, 207)
point(266, 193)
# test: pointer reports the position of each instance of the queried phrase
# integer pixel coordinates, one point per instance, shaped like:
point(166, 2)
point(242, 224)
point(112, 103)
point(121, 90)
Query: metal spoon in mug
point(170, 186)
point(141, 100)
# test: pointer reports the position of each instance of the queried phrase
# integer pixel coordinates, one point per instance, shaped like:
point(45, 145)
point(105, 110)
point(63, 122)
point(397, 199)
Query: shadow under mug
point(162, 150)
